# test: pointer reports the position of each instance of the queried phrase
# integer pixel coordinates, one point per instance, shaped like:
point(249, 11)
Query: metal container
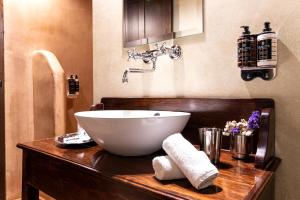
point(240, 146)
point(211, 142)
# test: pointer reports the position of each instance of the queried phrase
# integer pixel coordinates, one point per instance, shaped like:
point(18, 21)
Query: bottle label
point(247, 53)
point(266, 49)
point(77, 85)
point(72, 86)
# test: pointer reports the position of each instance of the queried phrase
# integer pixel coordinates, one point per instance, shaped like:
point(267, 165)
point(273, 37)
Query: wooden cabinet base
point(92, 173)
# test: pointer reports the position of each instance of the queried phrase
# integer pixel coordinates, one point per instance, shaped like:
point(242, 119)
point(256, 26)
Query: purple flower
point(256, 114)
point(254, 120)
point(235, 131)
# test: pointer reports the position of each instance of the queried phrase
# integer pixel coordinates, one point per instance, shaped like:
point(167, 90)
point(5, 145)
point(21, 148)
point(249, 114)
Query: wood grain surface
point(93, 173)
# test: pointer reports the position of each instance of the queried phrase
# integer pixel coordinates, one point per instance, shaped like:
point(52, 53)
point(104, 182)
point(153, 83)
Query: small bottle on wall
point(71, 87)
point(267, 48)
point(247, 49)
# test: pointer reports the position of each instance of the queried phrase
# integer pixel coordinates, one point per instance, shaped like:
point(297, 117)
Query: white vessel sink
point(131, 132)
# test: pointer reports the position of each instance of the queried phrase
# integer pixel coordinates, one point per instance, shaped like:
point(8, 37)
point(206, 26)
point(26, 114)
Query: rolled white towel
point(166, 169)
point(193, 164)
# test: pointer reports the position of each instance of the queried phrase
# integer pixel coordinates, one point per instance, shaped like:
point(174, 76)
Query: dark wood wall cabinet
point(92, 173)
point(147, 21)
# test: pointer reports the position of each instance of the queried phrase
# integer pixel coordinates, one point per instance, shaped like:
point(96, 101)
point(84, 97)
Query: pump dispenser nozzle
point(246, 30)
point(267, 27)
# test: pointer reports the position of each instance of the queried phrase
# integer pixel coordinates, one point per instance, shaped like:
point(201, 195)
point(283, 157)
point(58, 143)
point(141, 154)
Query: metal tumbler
point(241, 146)
point(211, 142)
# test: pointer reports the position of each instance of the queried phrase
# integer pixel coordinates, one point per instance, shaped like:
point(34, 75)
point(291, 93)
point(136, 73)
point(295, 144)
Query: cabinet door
point(134, 23)
point(158, 20)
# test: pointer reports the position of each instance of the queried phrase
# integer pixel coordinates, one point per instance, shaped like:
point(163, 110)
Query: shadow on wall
point(285, 91)
point(49, 91)
point(180, 70)
point(173, 74)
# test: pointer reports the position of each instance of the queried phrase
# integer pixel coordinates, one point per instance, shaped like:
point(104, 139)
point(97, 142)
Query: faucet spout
point(125, 77)
point(136, 70)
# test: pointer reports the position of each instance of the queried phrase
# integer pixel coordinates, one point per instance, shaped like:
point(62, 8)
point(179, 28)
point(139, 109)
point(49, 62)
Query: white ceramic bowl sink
point(131, 132)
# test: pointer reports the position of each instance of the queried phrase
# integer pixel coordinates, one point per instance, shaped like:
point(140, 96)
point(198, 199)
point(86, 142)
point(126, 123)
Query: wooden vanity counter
point(92, 173)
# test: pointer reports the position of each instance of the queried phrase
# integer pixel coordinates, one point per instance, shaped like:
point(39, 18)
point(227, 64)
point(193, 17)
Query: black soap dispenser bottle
point(77, 84)
point(247, 49)
point(71, 87)
point(267, 48)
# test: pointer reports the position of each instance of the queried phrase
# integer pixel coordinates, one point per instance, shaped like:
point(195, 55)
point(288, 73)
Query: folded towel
point(166, 169)
point(193, 164)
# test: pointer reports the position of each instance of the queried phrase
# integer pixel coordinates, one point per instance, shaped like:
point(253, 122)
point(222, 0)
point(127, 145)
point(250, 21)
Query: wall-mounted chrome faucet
point(151, 56)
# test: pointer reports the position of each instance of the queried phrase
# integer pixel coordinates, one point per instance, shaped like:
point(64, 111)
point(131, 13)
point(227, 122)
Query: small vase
point(241, 146)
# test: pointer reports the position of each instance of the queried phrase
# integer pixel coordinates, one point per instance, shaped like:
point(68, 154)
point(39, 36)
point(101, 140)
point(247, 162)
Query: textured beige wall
point(63, 27)
point(208, 68)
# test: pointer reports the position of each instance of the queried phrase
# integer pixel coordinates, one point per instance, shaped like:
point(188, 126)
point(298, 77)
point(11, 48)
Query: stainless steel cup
point(211, 142)
point(241, 146)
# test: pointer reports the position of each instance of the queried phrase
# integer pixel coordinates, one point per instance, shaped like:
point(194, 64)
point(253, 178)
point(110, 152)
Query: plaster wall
point(209, 68)
point(62, 27)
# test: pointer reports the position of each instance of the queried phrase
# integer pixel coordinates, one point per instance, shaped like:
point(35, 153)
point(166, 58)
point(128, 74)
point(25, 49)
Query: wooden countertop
point(237, 179)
